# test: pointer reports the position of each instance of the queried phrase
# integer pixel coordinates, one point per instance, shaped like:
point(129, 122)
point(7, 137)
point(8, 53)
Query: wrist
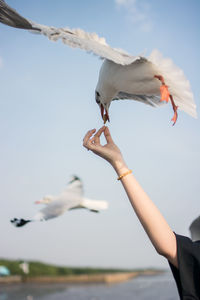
point(120, 167)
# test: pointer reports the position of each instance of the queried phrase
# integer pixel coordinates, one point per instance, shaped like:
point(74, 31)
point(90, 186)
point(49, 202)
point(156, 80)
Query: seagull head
point(45, 200)
point(103, 105)
point(106, 89)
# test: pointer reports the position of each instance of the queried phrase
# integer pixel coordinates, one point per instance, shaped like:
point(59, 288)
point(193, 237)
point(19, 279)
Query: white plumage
point(122, 76)
point(71, 198)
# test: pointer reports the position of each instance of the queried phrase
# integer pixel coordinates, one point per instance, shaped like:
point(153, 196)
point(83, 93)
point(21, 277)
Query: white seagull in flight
point(71, 198)
point(154, 80)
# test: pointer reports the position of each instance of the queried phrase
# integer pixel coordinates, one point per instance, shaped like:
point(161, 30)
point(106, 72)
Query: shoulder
point(188, 253)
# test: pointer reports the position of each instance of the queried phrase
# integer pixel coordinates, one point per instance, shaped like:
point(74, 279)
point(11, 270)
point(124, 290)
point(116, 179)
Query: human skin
point(156, 227)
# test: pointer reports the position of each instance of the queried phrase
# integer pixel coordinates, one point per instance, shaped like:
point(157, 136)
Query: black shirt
point(187, 276)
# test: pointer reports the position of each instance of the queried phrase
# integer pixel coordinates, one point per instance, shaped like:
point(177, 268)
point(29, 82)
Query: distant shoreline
point(107, 278)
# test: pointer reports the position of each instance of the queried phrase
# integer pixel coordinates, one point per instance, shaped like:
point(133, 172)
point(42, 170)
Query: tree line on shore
point(42, 269)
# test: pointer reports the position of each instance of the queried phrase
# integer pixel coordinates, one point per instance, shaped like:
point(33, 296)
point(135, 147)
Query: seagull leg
point(165, 96)
point(164, 92)
point(159, 77)
point(175, 107)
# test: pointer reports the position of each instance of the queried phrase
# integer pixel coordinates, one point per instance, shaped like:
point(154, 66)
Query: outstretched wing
point(74, 186)
point(147, 99)
point(195, 229)
point(75, 38)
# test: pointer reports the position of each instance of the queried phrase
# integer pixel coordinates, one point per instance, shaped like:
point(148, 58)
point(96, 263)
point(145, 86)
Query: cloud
point(138, 13)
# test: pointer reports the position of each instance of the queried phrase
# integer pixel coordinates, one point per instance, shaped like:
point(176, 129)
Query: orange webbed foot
point(164, 92)
point(175, 107)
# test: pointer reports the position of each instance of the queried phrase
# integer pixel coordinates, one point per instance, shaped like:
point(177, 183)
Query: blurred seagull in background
point(71, 198)
point(154, 80)
point(195, 229)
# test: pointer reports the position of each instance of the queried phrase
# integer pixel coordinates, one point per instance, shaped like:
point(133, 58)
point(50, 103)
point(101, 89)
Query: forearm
point(159, 232)
point(156, 227)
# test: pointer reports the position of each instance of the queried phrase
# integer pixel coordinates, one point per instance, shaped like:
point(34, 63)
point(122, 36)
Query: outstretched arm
point(156, 227)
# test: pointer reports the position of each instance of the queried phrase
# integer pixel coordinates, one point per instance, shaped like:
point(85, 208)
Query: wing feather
point(10, 17)
point(76, 38)
point(75, 186)
point(151, 100)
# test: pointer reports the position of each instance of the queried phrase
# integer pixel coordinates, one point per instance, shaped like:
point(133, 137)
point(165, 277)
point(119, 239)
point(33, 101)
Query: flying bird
point(154, 80)
point(195, 229)
point(71, 198)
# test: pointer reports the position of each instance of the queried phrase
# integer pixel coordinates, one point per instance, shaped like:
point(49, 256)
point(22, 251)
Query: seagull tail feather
point(94, 205)
point(11, 17)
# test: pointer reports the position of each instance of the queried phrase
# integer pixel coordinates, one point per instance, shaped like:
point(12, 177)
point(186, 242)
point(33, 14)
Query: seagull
point(71, 198)
point(152, 80)
point(195, 229)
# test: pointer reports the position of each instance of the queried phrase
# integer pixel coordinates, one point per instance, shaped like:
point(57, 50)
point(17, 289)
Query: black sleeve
point(187, 276)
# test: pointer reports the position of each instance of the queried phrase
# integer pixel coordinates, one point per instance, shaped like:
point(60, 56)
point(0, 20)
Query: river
point(158, 287)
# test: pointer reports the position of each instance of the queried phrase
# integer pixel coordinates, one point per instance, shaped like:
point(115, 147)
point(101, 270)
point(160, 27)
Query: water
point(159, 287)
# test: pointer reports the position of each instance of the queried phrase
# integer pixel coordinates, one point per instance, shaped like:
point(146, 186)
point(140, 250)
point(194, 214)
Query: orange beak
point(105, 116)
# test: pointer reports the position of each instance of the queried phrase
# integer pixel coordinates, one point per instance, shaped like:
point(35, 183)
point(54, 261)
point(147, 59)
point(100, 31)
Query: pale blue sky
point(46, 106)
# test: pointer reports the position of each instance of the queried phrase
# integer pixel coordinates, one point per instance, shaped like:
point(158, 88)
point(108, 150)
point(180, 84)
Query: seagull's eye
point(97, 96)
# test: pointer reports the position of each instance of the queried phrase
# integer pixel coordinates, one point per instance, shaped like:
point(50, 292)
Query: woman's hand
point(109, 151)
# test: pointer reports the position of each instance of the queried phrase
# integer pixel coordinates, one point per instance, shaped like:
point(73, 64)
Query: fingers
point(108, 136)
point(87, 137)
point(90, 142)
point(97, 135)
